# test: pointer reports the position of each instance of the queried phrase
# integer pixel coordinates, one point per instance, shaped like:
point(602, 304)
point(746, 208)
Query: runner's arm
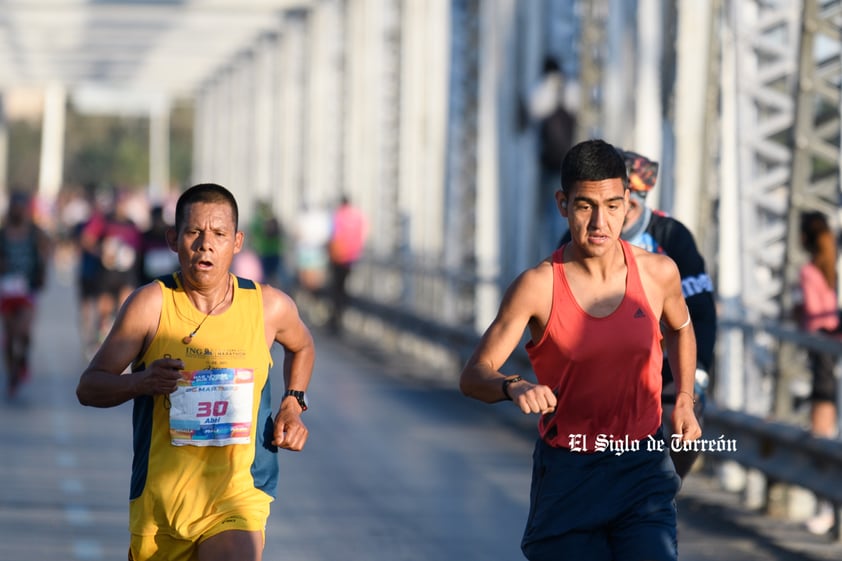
point(481, 377)
point(284, 326)
point(103, 383)
point(696, 285)
point(680, 344)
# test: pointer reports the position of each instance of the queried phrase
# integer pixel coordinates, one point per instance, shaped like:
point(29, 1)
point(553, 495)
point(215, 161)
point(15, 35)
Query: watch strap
point(507, 382)
point(299, 396)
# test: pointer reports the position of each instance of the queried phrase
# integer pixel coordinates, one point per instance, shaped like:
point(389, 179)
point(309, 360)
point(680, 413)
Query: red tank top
point(606, 372)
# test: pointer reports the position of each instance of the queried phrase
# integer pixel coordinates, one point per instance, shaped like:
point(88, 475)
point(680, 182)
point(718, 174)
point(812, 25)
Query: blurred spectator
point(819, 312)
point(156, 257)
point(74, 210)
point(657, 232)
point(116, 241)
point(88, 267)
point(24, 255)
point(347, 241)
point(557, 127)
point(246, 264)
point(266, 238)
point(312, 236)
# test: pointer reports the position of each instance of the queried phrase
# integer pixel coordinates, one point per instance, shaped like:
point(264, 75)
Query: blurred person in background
point(655, 231)
point(247, 264)
point(818, 312)
point(24, 255)
point(312, 235)
point(156, 257)
point(72, 209)
point(547, 106)
point(266, 239)
point(88, 268)
point(116, 241)
point(347, 241)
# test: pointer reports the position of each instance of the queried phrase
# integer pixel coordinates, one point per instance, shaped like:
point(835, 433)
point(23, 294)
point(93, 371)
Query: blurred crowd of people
point(113, 241)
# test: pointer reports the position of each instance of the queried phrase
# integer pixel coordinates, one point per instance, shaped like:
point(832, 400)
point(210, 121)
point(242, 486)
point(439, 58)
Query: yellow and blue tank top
point(182, 474)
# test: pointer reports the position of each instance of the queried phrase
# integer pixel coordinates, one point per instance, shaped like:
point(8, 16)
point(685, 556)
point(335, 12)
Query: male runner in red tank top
point(603, 489)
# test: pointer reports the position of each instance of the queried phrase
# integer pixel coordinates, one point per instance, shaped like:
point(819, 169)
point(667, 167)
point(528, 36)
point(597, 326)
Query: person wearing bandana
point(656, 231)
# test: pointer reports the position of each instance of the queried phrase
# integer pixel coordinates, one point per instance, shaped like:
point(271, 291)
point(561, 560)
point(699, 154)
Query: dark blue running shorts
point(602, 506)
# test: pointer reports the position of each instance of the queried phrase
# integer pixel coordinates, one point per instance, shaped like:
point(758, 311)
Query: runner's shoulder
point(148, 296)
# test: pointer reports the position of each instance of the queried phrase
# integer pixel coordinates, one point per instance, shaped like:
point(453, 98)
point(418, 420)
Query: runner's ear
point(172, 239)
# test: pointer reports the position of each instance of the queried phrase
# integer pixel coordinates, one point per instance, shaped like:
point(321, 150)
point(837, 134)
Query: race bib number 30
point(212, 407)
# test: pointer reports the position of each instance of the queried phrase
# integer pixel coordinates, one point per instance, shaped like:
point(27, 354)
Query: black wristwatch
point(507, 382)
point(299, 396)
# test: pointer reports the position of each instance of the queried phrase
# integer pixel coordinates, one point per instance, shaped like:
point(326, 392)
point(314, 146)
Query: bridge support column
point(52, 142)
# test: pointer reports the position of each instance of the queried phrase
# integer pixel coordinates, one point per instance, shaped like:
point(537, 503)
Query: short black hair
point(592, 160)
point(204, 193)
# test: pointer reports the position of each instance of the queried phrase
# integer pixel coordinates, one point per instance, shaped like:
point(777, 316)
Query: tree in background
point(24, 150)
point(102, 149)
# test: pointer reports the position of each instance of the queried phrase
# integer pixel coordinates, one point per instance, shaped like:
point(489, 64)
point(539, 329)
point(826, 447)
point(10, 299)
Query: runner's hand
point(532, 398)
point(161, 378)
point(290, 432)
point(684, 420)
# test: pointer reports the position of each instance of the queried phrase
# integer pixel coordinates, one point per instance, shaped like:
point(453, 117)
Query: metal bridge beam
point(759, 67)
point(815, 140)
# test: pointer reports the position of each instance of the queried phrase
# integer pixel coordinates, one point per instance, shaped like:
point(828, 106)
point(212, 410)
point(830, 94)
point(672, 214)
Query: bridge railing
point(782, 451)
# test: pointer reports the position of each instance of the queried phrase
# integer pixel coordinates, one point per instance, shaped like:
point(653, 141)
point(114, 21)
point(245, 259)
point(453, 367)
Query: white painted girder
point(170, 46)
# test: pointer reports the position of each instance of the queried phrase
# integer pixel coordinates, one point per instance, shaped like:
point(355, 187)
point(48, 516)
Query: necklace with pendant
point(188, 338)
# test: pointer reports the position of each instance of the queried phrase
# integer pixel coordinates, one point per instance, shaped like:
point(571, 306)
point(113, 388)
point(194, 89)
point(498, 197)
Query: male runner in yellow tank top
point(205, 441)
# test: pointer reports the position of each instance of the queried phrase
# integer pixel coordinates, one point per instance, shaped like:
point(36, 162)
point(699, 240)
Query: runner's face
point(207, 243)
point(595, 212)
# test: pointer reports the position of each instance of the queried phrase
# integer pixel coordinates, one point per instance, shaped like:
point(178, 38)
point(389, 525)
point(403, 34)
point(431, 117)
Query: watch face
point(301, 397)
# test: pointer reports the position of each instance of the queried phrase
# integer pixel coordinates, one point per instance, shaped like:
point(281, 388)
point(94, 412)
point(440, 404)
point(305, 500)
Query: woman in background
point(819, 313)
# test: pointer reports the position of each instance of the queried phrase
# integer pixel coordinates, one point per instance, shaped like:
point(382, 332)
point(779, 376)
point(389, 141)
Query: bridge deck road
point(397, 468)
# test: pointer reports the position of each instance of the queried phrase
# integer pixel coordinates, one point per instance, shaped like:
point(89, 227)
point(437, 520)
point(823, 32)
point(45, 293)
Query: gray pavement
point(397, 468)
